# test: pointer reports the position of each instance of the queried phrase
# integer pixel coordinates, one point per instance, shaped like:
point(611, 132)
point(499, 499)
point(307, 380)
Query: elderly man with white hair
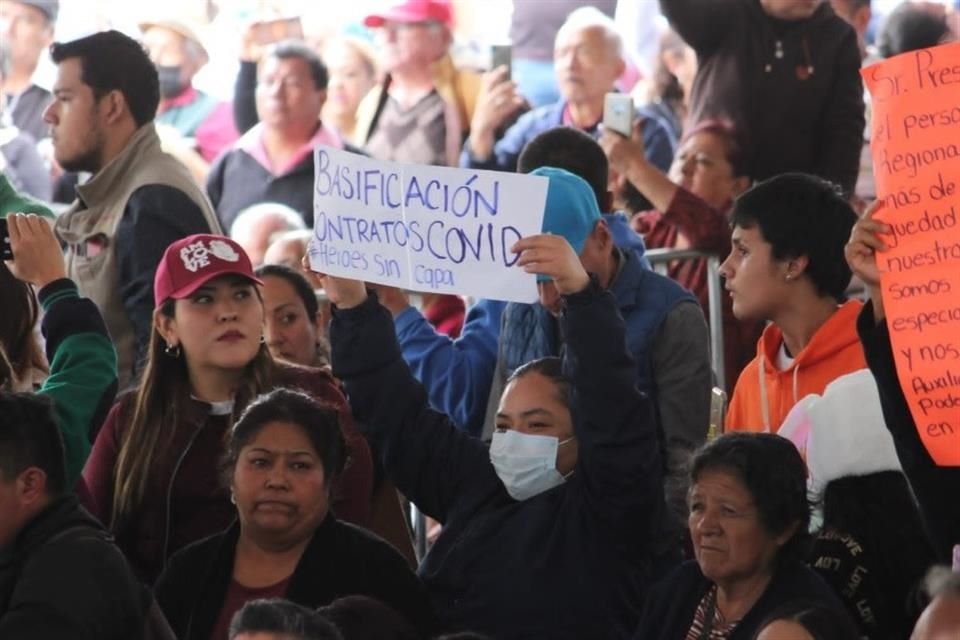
point(258, 226)
point(588, 60)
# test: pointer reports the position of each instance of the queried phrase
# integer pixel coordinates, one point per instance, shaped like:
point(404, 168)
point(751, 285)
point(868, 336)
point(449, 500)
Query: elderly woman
point(748, 521)
point(687, 209)
point(283, 459)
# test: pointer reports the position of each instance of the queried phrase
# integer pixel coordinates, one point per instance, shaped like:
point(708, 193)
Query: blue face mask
point(525, 463)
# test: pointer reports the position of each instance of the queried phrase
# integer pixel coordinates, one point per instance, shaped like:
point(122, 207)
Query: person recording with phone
point(588, 60)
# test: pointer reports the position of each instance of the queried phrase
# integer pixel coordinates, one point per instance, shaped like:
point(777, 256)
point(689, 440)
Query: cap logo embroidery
point(197, 256)
point(224, 251)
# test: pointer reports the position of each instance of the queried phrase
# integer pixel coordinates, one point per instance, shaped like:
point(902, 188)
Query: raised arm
point(619, 463)
point(438, 467)
point(933, 486)
point(842, 123)
point(702, 23)
point(83, 363)
point(455, 373)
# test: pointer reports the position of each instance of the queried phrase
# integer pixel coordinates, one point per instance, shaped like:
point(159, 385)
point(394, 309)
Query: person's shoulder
point(795, 579)
point(197, 554)
point(684, 579)
point(303, 377)
point(364, 544)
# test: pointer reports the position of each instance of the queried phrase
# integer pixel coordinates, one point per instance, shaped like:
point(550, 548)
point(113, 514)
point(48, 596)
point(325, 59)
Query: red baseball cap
point(413, 11)
point(190, 262)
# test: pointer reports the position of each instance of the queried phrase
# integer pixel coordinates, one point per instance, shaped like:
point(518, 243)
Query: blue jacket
point(658, 140)
point(643, 297)
point(572, 562)
point(457, 373)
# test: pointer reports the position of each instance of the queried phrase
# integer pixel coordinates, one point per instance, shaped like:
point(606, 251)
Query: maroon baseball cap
point(413, 11)
point(190, 262)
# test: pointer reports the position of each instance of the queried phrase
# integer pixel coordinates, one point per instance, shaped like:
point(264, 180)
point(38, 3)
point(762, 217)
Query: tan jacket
point(89, 228)
point(459, 90)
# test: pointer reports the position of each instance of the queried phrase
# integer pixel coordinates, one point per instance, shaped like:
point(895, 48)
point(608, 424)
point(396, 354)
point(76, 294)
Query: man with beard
point(139, 199)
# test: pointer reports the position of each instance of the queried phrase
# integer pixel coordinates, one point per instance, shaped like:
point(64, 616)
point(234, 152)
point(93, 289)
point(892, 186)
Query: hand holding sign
point(861, 253)
point(552, 256)
point(345, 293)
point(916, 152)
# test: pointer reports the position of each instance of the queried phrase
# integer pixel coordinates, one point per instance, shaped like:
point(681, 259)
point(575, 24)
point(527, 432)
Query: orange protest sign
point(915, 144)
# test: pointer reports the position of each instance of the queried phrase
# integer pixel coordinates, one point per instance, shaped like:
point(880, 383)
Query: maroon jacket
point(185, 500)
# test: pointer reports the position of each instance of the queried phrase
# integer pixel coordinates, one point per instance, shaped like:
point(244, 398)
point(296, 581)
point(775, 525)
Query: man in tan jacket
point(139, 199)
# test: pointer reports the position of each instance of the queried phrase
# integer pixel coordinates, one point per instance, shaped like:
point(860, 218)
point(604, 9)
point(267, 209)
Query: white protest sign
point(424, 228)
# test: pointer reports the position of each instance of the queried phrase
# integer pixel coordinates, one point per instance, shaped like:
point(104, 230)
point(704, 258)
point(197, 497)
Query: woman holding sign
point(547, 534)
point(936, 488)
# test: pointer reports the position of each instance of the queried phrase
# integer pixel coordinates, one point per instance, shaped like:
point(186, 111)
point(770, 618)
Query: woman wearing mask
point(152, 472)
point(283, 461)
point(547, 534)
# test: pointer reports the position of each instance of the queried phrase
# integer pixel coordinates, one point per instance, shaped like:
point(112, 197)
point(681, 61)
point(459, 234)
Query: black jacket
point(341, 560)
point(936, 488)
point(572, 562)
point(237, 181)
point(64, 578)
point(756, 71)
point(669, 610)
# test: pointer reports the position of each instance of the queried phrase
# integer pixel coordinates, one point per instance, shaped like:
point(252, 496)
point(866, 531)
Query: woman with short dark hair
point(748, 520)
point(283, 459)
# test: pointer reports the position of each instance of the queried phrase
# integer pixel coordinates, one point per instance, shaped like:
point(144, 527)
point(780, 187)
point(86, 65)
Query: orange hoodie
point(764, 394)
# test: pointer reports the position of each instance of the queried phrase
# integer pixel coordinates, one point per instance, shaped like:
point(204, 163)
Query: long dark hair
point(163, 393)
point(878, 510)
point(17, 322)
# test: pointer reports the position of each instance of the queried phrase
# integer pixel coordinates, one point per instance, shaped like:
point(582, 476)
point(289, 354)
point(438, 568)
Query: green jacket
point(13, 202)
point(83, 369)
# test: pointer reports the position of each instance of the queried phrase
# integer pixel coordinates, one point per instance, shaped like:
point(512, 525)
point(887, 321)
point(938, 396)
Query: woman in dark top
point(548, 533)
point(935, 487)
point(748, 521)
point(872, 547)
point(283, 460)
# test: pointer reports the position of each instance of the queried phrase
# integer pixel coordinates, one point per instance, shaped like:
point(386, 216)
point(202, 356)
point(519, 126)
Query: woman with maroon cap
point(153, 473)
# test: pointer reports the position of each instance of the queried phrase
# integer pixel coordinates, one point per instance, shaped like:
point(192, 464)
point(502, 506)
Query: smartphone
point(6, 251)
point(501, 55)
point(718, 410)
point(271, 31)
point(618, 113)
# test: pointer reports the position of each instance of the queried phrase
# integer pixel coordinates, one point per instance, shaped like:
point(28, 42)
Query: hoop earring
point(172, 350)
point(263, 339)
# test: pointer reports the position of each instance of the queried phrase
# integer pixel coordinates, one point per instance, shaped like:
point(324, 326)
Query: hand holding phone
point(6, 251)
point(272, 31)
point(501, 55)
point(618, 113)
point(35, 251)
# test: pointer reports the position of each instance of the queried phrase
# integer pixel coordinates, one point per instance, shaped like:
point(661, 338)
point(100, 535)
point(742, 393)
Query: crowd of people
point(201, 437)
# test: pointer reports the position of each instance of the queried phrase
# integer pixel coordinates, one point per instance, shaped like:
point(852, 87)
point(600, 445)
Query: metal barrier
point(661, 258)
